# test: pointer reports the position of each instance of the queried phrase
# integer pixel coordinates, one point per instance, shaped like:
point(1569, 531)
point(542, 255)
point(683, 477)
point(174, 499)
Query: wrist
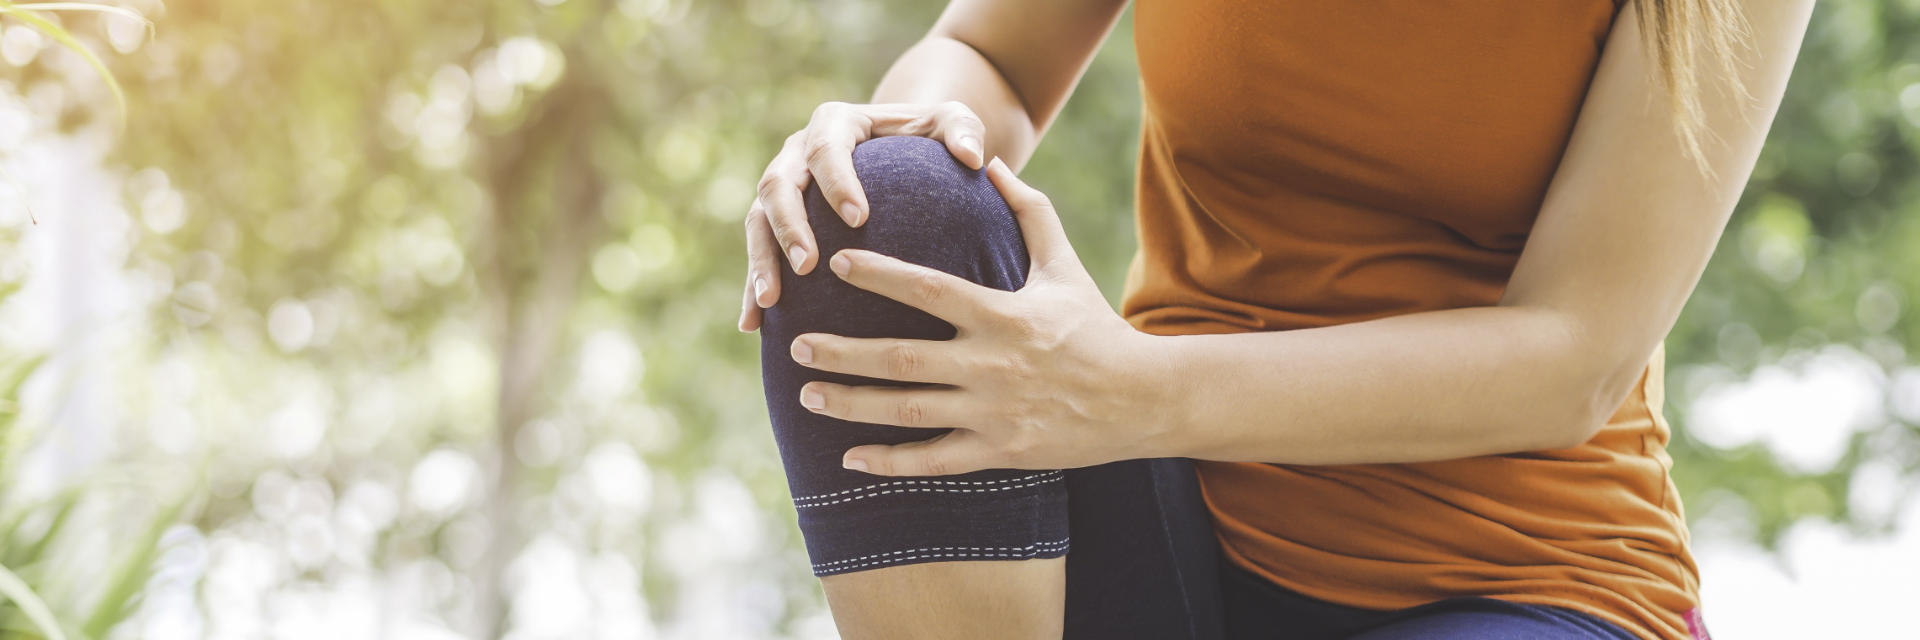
point(1158, 395)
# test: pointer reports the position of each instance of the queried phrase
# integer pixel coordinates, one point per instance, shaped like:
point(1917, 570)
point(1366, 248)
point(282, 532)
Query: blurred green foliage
point(1821, 252)
point(424, 219)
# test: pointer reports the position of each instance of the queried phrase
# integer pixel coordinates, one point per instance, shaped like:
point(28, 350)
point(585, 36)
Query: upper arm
point(1041, 48)
point(1629, 220)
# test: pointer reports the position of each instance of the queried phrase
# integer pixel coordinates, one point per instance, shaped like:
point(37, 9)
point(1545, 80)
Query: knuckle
point(902, 361)
point(925, 124)
point(783, 227)
point(820, 149)
point(908, 413)
point(1024, 325)
point(935, 465)
point(958, 113)
point(1019, 371)
point(828, 109)
point(1018, 449)
point(770, 184)
point(783, 230)
point(928, 288)
point(1036, 200)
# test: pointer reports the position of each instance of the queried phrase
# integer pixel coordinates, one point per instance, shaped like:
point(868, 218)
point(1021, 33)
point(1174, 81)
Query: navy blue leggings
point(1144, 562)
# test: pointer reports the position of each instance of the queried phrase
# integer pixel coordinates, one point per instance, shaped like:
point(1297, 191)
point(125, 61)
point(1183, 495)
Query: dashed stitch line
point(1022, 551)
point(939, 555)
point(925, 482)
point(927, 490)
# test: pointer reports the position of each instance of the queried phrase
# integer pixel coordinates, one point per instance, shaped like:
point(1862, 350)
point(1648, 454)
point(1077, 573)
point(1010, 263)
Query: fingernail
point(802, 352)
point(853, 213)
point(855, 464)
point(972, 145)
point(839, 264)
point(759, 288)
point(796, 255)
point(812, 399)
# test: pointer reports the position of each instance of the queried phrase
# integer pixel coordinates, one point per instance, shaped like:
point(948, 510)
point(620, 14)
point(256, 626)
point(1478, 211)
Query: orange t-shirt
point(1318, 162)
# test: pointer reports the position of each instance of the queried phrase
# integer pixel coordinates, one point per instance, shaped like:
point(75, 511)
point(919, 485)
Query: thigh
point(1260, 610)
point(1256, 609)
point(1488, 619)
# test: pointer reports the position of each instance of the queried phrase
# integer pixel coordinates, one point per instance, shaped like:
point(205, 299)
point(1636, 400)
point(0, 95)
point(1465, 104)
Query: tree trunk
point(546, 195)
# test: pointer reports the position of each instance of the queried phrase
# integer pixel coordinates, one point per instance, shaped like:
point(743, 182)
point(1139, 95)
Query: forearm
point(940, 68)
point(1420, 387)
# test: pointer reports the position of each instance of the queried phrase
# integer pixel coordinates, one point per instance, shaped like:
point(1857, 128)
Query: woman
point(1403, 277)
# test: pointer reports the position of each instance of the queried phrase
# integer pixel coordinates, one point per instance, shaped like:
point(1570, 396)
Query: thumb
point(954, 452)
point(1039, 224)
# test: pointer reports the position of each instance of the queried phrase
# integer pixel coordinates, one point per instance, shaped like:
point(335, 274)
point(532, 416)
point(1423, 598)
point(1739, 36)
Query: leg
point(1260, 610)
point(975, 555)
point(1489, 619)
point(1256, 609)
point(1145, 563)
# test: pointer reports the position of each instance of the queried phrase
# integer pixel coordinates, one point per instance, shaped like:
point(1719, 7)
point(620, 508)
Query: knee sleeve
point(926, 208)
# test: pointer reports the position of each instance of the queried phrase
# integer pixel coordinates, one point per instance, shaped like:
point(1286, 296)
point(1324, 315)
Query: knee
point(901, 166)
point(925, 207)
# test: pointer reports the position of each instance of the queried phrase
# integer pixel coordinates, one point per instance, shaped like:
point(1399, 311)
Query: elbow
point(1591, 375)
point(1586, 402)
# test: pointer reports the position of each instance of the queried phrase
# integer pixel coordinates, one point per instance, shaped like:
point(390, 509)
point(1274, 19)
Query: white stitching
point(937, 555)
point(1030, 547)
point(935, 482)
point(954, 552)
point(927, 482)
point(926, 489)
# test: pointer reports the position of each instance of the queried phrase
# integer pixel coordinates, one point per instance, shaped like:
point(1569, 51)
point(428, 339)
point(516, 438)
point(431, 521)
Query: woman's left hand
point(1045, 377)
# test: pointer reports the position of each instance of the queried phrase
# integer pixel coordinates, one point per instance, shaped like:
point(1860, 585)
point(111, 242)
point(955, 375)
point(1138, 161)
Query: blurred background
point(416, 319)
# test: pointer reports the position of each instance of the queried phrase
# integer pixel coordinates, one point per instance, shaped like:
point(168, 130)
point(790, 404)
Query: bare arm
point(1049, 377)
point(1013, 63)
point(1626, 230)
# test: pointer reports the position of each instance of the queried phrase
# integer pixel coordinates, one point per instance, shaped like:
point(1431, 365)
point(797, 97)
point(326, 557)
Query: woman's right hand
point(823, 151)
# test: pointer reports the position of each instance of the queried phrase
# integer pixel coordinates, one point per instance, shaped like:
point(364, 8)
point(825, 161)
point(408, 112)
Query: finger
point(1039, 223)
point(963, 132)
point(951, 122)
point(831, 136)
point(954, 452)
point(780, 193)
point(749, 312)
point(918, 408)
point(880, 358)
point(763, 262)
point(946, 296)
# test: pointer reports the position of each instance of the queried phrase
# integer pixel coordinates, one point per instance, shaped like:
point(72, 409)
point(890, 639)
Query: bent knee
point(927, 208)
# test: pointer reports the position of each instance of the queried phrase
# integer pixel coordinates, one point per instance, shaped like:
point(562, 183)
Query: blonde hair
point(1691, 40)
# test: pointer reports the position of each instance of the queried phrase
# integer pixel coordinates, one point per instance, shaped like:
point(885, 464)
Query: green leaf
point(43, 25)
point(81, 6)
point(23, 596)
point(124, 587)
point(12, 440)
point(35, 549)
